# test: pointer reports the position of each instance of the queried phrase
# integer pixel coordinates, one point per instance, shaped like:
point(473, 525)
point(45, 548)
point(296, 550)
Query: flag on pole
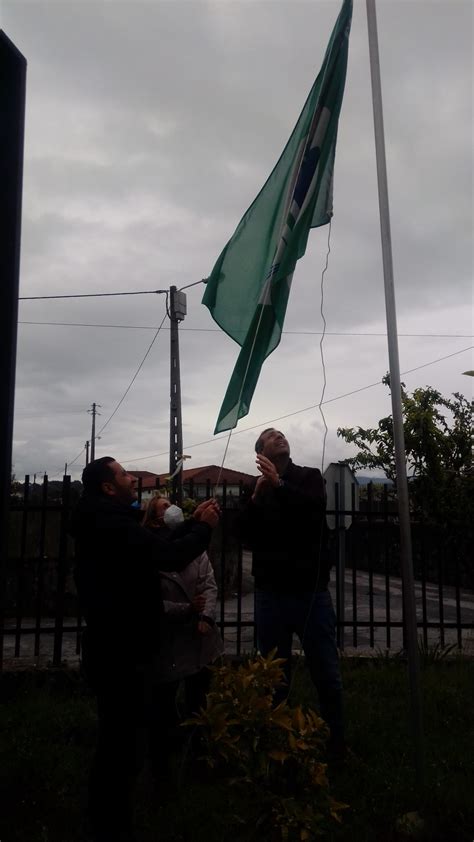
point(248, 289)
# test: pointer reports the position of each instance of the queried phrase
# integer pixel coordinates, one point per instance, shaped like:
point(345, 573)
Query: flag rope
point(299, 658)
point(321, 351)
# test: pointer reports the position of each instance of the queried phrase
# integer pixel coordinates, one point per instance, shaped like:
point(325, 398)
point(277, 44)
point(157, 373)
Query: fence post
point(354, 573)
point(370, 561)
point(62, 572)
point(341, 560)
point(239, 581)
point(22, 563)
point(40, 580)
point(223, 551)
point(388, 630)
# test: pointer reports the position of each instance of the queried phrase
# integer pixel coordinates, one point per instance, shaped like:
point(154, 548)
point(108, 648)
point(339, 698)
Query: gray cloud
point(150, 129)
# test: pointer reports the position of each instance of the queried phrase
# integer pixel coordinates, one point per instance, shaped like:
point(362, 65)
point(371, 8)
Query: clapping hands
point(269, 478)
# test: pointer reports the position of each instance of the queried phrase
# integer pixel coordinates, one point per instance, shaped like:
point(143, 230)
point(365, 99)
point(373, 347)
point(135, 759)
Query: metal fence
point(40, 621)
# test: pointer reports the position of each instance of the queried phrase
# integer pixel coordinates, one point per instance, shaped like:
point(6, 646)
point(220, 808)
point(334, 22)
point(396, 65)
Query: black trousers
point(196, 687)
point(127, 722)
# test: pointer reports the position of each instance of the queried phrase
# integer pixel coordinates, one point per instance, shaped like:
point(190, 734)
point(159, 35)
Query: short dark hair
point(97, 472)
point(259, 442)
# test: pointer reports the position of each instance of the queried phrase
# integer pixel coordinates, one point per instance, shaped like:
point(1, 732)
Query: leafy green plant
point(438, 445)
point(189, 504)
point(387, 657)
point(273, 757)
point(430, 653)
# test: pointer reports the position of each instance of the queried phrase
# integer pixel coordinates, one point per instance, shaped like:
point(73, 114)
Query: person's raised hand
point(203, 627)
point(202, 508)
point(210, 514)
point(268, 470)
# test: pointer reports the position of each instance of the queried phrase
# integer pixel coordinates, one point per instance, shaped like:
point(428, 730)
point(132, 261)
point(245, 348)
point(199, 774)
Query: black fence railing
point(40, 619)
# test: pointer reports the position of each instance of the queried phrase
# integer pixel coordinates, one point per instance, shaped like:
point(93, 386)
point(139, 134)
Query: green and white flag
point(247, 291)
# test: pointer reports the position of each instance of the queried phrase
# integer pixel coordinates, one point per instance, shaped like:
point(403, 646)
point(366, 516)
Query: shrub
point(272, 757)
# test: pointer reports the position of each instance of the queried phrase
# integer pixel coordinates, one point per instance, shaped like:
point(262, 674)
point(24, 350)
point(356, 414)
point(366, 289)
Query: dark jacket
point(287, 533)
point(117, 576)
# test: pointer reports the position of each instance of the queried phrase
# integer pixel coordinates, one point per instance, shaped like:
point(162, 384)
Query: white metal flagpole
point(409, 604)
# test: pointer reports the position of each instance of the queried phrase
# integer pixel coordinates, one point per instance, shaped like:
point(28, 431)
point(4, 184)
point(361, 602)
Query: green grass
point(379, 781)
point(47, 733)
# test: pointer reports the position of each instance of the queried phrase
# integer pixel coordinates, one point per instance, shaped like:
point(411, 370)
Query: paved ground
point(379, 613)
point(247, 615)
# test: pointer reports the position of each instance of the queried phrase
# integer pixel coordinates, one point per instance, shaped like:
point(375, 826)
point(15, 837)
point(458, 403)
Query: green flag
point(247, 291)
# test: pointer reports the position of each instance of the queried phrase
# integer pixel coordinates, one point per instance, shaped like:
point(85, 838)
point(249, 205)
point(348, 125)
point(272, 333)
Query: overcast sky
point(150, 128)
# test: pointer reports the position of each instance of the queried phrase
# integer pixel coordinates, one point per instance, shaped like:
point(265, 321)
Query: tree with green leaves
point(438, 445)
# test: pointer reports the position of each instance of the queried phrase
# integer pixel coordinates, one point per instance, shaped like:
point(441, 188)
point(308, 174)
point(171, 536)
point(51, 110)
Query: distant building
point(151, 483)
point(198, 483)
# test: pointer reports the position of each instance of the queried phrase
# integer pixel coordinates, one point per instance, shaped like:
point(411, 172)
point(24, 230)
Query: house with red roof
point(198, 483)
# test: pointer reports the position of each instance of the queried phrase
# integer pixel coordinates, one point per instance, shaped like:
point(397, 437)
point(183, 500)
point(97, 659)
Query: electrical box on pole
point(177, 312)
point(179, 304)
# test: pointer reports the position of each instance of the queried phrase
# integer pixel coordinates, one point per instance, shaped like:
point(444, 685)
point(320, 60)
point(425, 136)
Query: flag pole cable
point(299, 659)
point(321, 351)
point(409, 604)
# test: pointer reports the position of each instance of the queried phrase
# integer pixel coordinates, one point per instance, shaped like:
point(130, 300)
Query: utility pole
point(87, 452)
point(65, 468)
point(93, 412)
point(177, 312)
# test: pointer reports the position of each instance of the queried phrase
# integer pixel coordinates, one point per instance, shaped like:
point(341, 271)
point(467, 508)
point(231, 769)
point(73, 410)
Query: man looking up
point(118, 582)
point(284, 524)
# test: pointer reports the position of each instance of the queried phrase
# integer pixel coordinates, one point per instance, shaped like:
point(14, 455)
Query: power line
point(59, 472)
point(218, 330)
point(129, 385)
point(51, 413)
point(92, 295)
point(261, 423)
point(126, 390)
point(76, 458)
point(106, 294)
point(137, 371)
point(299, 411)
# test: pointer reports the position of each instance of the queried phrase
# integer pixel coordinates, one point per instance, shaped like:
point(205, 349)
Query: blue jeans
point(311, 616)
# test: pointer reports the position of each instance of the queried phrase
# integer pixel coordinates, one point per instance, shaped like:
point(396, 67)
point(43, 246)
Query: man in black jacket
point(284, 524)
point(117, 578)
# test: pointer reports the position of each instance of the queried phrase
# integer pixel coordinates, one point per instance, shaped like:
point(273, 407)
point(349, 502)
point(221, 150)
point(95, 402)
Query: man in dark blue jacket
point(117, 577)
point(284, 524)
